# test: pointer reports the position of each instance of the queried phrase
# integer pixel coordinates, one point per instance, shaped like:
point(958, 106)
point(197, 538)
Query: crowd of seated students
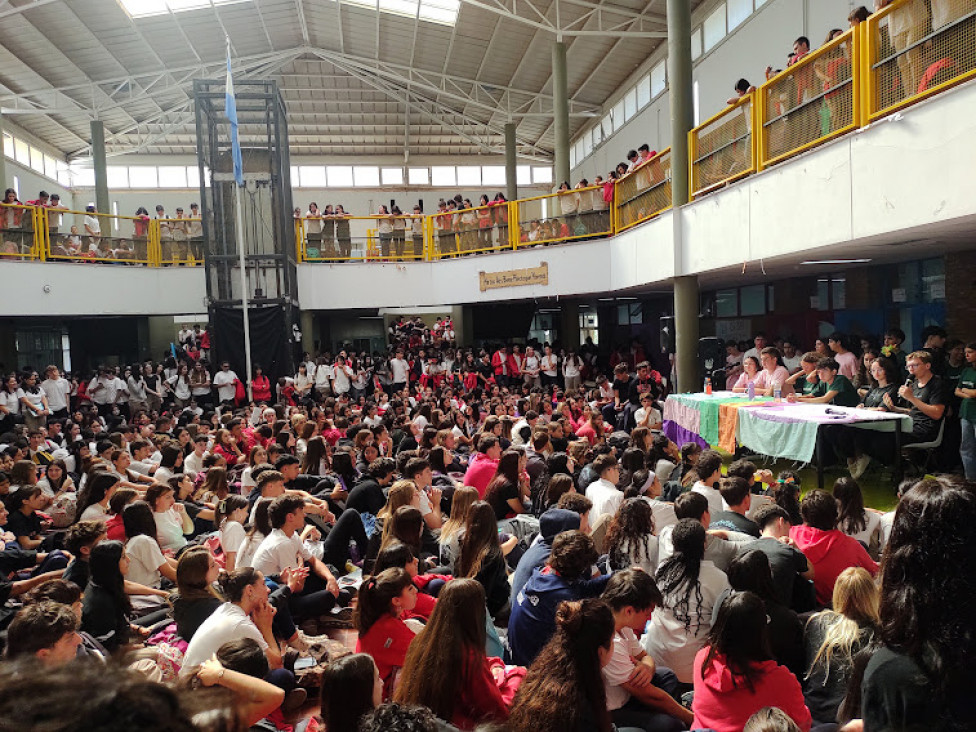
point(563, 567)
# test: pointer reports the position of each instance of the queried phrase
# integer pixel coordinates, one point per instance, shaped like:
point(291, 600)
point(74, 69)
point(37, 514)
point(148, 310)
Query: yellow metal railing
point(813, 101)
point(723, 149)
point(336, 239)
point(643, 193)
point(475, 230)
point(909, 54)
point(19, 232)
point(561, 216)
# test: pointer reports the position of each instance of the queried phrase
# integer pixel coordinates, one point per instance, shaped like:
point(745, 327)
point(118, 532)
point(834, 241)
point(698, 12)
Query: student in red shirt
point(446, 668)
point(383, 601)
point(483, 466)
point(828, 549)
point(735, 674)
point(261, 386)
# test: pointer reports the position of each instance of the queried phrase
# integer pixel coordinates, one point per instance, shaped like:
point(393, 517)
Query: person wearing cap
point(195, 232)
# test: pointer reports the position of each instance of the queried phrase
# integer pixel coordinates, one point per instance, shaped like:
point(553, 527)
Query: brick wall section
point(960, 303)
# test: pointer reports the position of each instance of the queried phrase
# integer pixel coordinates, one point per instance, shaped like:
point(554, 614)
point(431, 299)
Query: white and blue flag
point(230, 104)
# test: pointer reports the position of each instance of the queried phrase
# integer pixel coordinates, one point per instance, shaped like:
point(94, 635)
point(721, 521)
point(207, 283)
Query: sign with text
point(515, 277)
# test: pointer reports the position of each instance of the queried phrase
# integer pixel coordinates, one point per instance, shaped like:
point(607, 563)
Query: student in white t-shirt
point(224, 380)
point(147, 565)
point(709, 469)
point(690, 585)
point(638, 691)
point(230, 515)
point(283, 549)
point(173, 524)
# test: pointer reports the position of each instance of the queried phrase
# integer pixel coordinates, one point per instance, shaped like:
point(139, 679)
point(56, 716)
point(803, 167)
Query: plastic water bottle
point(708, 386)
point(751, 391)
point(777, 391)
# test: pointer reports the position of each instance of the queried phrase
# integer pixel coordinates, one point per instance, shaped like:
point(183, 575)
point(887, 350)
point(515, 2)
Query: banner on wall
point(514, 277)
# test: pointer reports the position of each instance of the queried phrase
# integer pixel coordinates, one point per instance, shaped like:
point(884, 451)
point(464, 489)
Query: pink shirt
point(848, 364)
point(779, 376)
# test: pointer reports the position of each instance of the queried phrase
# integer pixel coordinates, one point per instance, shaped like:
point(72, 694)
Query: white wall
point(40, 289)
point(763, 40)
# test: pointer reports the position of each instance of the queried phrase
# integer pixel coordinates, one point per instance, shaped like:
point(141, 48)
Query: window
point(115, 214)
point(726, 304)
point(366, 176)
point(419, 176)
point(493, 175)
point(192, 176)
point(296, 179)
point(606, 124)
point(630, 314)
point(311, 176)
point(392, 176)
point(444, 12)
point(696, 43)
point(146, 8)
point(143, 176)
point(644, 92)
point(659, 78)
point(171, 176)
point(117, 176)
point(618, 115)
point(469, 175)
point(572, 156)
point(695, 101)
point(8, 145)
point(753, 300)
point(443, 175)
point(17, 186)
point(523, 175)
point(339, 176)
point(630, 103)
point(50, 167)
point(542, 175)
point(739, 10)
point(64, 174)
point(587, 145)
point(596, 135)
point(83, 177)
point(714, 28)
point(21, 152)
point(37, 160)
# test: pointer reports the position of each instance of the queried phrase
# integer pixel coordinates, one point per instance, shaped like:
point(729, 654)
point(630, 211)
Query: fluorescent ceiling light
point(836, 261)
point(444, 12)
point(147, 8)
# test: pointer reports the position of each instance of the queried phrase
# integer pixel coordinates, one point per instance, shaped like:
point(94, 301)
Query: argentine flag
point(230, 104)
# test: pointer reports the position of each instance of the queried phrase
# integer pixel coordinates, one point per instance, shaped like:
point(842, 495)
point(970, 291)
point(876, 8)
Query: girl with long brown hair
point(564, 689)
point(449, 539)
point(380, 606)
point(446, 668)
point(480, 556)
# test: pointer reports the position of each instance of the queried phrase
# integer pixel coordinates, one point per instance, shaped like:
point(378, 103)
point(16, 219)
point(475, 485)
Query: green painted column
point(681, 96)
point(560, 112)
point(569, 328)
point(511, 162)
point(102, 202)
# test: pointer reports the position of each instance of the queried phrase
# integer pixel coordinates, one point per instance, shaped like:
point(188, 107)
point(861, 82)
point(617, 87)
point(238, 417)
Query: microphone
point(828, 410)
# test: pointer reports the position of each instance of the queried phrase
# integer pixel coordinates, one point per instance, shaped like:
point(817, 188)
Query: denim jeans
point(967, 449)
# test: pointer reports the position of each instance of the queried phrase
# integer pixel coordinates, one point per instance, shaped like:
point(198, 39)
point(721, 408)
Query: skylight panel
point(444, 12)
point(147, 8)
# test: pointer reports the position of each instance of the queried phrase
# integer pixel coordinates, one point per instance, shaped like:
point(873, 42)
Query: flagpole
point(244, 298)
point(230, 102)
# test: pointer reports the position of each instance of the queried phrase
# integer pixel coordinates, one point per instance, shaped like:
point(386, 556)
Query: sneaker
point(294, 700)
point(860, 465)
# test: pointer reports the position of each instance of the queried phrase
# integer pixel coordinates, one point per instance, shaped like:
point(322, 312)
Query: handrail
point(643, 193)
point(921, 60)
point(722, 149)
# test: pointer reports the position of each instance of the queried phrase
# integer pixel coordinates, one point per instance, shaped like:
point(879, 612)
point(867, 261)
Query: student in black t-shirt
point(736, 493)
point(368, 495)
point(786, 562)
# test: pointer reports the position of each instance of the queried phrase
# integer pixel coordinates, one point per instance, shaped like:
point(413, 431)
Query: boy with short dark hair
point(636, 687)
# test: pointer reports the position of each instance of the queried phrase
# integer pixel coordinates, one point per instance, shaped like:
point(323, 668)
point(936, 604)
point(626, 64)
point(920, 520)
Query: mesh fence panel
point(723, 148)
point(645, 192)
